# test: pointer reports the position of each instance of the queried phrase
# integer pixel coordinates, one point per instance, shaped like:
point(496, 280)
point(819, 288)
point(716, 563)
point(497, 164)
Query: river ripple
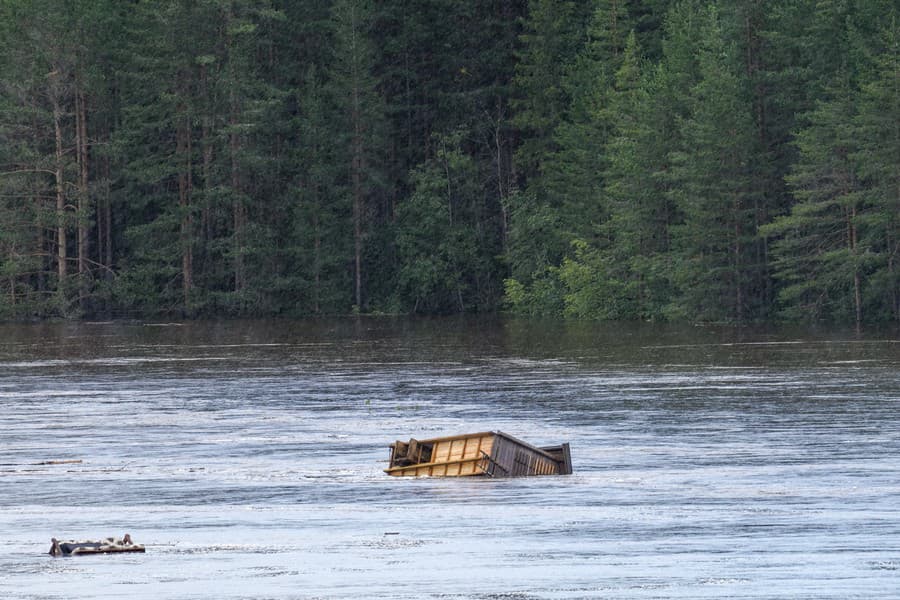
point(247, 457)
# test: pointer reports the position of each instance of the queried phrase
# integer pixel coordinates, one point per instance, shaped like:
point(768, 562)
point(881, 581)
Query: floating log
point(105, 546)
point(489, 454)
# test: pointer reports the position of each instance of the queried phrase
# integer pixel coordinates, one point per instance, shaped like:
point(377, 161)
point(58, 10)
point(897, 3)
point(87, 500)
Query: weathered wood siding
point(451, 457)
point(514, 459)
point(491, 453)
point(563, 455)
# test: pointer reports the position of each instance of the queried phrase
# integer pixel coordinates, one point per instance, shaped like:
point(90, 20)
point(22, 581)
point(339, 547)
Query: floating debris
point(105, 546)
point(490, 454)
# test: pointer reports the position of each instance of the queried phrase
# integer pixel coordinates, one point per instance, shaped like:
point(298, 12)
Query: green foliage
point(541, 296)
point(592, 289)
point(535, 240)
point(642, 212)
point(837, 248)
point(574, 175)
point(437, 237)
point(712, 172)
point(612, 159)
point(552, 37)
point(815, 236)
point(878, 156)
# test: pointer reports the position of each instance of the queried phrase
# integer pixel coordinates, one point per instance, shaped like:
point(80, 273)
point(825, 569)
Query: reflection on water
point(247, 457)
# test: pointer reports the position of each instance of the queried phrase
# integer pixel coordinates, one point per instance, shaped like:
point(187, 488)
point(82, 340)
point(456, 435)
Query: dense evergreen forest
point(727, 161)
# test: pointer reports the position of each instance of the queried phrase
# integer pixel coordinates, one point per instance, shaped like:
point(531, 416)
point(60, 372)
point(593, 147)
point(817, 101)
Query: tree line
point(728, 161)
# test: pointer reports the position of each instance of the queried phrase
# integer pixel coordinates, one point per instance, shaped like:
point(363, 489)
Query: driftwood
point(105, 546)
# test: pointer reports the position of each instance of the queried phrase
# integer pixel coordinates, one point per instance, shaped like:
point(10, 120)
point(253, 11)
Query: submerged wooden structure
point(489, 454)
point(104, 546)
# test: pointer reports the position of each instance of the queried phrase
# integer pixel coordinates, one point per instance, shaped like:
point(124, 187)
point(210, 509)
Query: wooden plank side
point(520, 460)
point(462, 455)
point(523, 444)
point(426, 468)
point(457, 448)
point(486, 445)
point(441, 451)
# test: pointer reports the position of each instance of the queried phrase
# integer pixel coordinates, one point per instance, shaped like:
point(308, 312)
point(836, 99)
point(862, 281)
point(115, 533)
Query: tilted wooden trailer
point(490, 454)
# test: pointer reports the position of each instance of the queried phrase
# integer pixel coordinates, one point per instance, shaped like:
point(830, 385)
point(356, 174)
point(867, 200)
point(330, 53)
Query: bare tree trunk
point(206, 165)
point(857, 282)
point(317, 262)
point(356, 161)
point(183, 149)
point(61, 242)
point(39, 240)
point(502, 189)
point(101, 227)
point(357, 196)
point(357, 232)
point(892, 266)
point(234, 145)
point(240, 213)
point(738, 249)
point(81, 147)
point(107, 211)
point(205, 220)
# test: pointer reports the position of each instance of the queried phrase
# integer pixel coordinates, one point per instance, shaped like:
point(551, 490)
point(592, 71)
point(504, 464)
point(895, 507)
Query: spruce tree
point(316, 278)
point(574, 173)
point(361, 126)
point(437, 235)
point(877, 126)
point(836, 249)
point(817, 253)
point(642, 211)
point(714, 247)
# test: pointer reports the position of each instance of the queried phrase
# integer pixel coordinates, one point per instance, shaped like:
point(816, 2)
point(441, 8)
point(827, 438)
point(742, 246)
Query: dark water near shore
point(247, 457)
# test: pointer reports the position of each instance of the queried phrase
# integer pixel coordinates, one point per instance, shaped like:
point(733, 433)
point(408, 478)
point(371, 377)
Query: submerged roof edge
point(526, 444)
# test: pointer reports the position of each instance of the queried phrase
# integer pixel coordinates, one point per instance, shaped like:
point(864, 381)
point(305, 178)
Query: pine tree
point(817, 255)
point(877, 126)
point(715, 246)
point(316, 279)
point(157, 193)
point(835, 251)
point(642, 211)
point(437, 240)
point(553, 37)
point(48, 55)
point(361, 127)
point(247, 105)
point(574, 175)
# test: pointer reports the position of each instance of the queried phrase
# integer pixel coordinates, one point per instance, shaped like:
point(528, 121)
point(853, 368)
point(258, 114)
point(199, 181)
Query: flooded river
point(248, 457)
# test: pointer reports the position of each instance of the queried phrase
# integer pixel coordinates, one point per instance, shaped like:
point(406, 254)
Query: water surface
point(248, 457)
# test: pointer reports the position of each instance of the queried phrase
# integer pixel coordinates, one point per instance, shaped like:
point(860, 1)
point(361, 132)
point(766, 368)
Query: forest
point(727, 161)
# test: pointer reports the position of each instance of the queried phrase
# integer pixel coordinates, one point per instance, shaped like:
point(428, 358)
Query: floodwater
point(248, 457)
